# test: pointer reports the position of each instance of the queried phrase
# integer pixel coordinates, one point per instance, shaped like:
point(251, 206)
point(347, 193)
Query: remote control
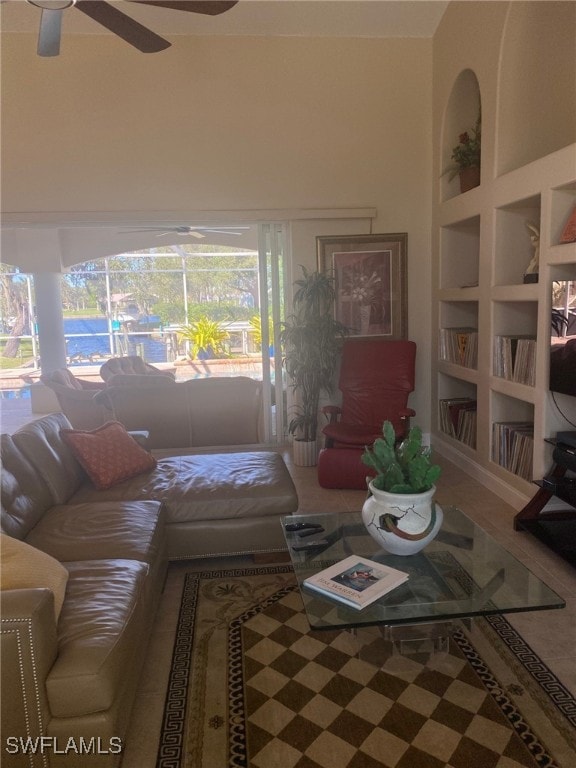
point(303, 526)
point(310, 532)
point(310, 545)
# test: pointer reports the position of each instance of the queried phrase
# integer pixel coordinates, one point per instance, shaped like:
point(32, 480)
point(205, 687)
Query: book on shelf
point(460, 346)
point(512, 446)
point(356, 581)
point(515, 358)
point(458, 419)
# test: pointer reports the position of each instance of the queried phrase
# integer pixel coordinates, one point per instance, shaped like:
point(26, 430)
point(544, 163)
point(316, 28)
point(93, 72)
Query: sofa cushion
point(103, 620)
point(132, 365)
point(196, 413)
point(225, 411)
point(65, 378)
point(159, 409)
point(108, 454)
point(42, 444)
point(210, 486)
point(138, 380)
point(101, 530)
point(25, 567)
point(25, 497)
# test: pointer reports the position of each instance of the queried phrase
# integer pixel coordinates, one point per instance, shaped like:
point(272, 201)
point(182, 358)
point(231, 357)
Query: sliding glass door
point(272, 280)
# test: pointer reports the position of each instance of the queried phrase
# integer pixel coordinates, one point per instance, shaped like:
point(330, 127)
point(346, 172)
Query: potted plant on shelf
point(466, 157)
point(400, 514)
point(310, 339)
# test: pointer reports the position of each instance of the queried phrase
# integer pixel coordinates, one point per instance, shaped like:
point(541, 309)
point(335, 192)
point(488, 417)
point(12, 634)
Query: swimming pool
point(15, 394)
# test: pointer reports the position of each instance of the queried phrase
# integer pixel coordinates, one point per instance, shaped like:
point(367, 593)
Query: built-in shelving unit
point(485, 240)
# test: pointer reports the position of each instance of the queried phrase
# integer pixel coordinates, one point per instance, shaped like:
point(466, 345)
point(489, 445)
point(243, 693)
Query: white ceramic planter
point(402, 523)
point(305, 453)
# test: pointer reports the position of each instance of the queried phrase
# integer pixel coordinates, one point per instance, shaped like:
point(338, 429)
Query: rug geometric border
point(172, 747)
point(171, 750)
point(560, 697)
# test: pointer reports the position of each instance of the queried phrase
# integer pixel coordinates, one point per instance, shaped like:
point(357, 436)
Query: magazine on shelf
point(356, 581)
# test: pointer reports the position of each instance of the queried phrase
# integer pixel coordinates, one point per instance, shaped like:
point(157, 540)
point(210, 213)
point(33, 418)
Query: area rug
point(251, 686)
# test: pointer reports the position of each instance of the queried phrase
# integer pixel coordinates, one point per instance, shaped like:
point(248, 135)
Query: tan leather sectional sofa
point(76, 677)
point(69, 682)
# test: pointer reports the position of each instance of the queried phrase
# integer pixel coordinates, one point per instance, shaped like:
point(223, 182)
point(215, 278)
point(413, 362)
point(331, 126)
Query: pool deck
point(16, 378)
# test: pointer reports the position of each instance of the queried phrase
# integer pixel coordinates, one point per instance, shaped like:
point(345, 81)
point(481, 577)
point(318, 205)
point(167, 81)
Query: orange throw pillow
point(108, 454)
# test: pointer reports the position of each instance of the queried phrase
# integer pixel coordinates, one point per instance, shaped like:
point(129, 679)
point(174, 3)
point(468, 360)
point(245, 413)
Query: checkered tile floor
point(311, 703)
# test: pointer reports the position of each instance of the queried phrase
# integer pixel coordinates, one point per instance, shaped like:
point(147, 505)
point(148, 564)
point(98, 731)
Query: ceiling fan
point(188, 231)
point(115, 20)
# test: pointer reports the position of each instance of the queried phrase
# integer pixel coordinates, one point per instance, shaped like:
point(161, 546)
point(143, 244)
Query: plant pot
point(469, 178)
point(531, 277)
point(305, 453)
point(402, 523)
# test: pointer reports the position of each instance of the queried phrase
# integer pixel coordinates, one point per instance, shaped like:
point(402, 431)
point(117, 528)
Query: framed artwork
point(569, 232)
point(370, 281)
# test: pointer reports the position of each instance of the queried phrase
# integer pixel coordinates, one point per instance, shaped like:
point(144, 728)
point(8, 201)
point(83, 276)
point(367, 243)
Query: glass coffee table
point(462, 574)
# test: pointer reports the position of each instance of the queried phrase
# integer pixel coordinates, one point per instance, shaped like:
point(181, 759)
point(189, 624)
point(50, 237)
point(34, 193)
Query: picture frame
point(370, 281)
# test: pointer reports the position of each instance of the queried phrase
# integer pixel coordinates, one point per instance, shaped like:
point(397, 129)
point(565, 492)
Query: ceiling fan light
point(52, 5)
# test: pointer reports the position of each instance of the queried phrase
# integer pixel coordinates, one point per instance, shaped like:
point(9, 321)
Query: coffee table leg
point(379, 644)
point(419, 638)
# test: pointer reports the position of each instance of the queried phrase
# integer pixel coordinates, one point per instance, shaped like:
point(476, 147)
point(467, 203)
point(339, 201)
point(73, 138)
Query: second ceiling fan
point(188, 231)
point(116, 21)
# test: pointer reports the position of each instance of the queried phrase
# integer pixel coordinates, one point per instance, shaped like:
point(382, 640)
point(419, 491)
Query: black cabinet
point(557, 529)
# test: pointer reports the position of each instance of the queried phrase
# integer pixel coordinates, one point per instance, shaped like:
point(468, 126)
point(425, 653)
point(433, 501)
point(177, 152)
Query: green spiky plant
point(404, 467)
point(256, 328)
point(206, 337)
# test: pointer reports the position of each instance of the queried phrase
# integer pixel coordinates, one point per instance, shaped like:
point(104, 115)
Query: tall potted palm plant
point(310, 339)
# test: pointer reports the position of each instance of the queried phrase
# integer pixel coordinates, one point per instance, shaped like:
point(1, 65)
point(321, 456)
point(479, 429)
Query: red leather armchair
point(376, 379)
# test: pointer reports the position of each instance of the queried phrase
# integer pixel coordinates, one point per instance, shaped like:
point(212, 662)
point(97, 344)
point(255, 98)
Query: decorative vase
point(402, 523)
point(469, 178)
point(365, 312)
point(305, 453)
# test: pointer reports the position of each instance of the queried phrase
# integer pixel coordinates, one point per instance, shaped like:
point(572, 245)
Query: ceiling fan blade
point(50, 32)
point(197, 235)
point(223, 231)
point(161, 233)
point(208, 8)
point(125, 27)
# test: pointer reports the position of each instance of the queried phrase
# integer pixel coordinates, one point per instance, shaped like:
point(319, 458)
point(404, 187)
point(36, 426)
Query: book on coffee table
point(356, 581)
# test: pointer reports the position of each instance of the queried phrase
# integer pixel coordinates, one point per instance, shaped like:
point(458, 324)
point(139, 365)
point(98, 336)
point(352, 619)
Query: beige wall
point(217, 123)
point(238, 123)
point(230, 123)
point(524, 57)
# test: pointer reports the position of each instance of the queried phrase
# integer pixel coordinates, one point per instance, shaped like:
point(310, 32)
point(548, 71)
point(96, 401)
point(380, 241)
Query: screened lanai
point(199, 308)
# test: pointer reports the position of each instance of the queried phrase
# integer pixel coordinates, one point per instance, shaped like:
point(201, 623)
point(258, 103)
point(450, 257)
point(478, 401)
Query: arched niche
point(460, 116)
point(537, 84)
